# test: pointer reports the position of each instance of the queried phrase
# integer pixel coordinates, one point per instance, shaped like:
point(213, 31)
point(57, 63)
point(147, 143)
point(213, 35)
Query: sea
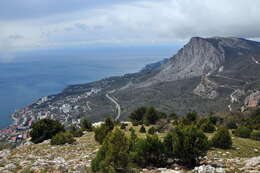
point(34, 74)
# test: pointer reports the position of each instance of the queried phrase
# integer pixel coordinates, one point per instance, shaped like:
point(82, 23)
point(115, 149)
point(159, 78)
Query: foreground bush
point(142, 129)
point(255, 135)
point(62, 138)
point(208, 127)
point(243, 132)
point(86, 124)
point(222, 139)
point(187, 144)
point(152, 131)
point(45, 129)
point(102, 131)
point(113, 154)
point(76, 132)
point(149, 151)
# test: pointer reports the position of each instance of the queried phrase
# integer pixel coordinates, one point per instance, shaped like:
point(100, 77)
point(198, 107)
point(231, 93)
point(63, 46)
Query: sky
point(27, 25)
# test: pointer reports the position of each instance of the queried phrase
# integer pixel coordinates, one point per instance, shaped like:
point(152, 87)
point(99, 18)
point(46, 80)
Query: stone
point(252, 162)
point(10, 166)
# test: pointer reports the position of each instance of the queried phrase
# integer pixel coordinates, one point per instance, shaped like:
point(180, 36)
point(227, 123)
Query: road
point(117, 105)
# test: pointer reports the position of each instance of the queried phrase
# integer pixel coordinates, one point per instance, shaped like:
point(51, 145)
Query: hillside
point(207, 75)
point(43, 157)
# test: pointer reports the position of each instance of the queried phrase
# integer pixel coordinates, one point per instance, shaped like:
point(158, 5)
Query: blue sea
point(35, 74)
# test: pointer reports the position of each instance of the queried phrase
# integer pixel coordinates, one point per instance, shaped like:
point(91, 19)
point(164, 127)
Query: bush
point(62, 138)
point(113, 154)
point(142, 129)
point(151, 116)
point(255, 135)
point(45, 129)
point(137, 116)
point(231, 124)
point(222, 139)
point(208, 127)
point(152, 130)
point(102, 131)
point(192, 116)
point(243, 132)
point(173, 116)
point(86, 124)
point(76, 132)
point(149, 151)
point(188, 144)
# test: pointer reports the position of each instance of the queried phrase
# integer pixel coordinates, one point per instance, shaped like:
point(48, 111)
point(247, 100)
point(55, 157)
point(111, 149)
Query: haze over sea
point(32, 75)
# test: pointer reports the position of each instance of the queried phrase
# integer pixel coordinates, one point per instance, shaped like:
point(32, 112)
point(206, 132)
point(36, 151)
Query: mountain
point(215, 74)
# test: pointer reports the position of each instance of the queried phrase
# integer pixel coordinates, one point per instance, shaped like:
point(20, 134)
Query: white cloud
point(140, 22)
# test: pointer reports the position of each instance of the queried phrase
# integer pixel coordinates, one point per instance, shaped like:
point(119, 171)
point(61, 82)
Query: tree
point(151, 116)
point(222, 139)
point(45, 129)
point(231, 124)
point(173, 116)
point(62, 138)
point(189, 144)
point(255, 135)
point(243, 132)
point(76, 132)
point(152, 130)
point(208, 127)
point(192, 116)
point(149, 151)
point(142, 129)
point(102, 131)
point(86, 124)
point(113, 154)
point(137, 116)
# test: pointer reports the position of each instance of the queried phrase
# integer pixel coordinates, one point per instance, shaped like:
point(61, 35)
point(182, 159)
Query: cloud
point(127, 22)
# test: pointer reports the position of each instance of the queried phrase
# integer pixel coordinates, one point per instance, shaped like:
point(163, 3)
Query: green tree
point(137, 116)
point(255, 135)
point(142, 129)
point(243, 132)
point(62, 138)
point(149, 151)
point(86, 124)
point(208, 127)
point(45, 129)
point(151, 116)
point(222, 139)
point(173, 116)
point(113, 154)
point(192, 116)
point(152, 131)
point(76, 132)
point(102, 131)
point(189, 144)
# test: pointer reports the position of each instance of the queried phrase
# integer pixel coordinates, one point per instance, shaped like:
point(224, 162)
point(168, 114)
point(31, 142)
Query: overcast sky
point(41, 24)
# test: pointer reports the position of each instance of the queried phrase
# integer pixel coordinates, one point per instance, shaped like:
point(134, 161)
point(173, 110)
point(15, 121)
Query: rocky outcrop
point(253, 99)
point(206, 88)
point(200, 56)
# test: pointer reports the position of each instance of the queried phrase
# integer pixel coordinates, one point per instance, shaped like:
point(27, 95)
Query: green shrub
point(188, 144)
point(86, 124)
point(76, 132)
point(255, 135)
point(102, 131)
point(149, 151)
point(192, 116)
point(243, 132)
point(142, 129)
point(231, 124)
point(152, 131)
point(222, 139)
point(208, 127)
point(151, 116)
point(45, 129)
point(113, 154)
point(173, 116)
point(137, 116)
point(62, 138)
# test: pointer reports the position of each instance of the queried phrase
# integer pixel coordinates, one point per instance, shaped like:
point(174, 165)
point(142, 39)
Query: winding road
point(117, 105)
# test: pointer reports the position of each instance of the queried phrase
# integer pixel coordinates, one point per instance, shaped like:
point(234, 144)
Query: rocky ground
point(244, 157)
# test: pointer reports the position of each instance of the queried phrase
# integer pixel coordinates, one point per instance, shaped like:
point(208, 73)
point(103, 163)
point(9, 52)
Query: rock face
point(206, 88)
point(206, 75)
point(200, 56)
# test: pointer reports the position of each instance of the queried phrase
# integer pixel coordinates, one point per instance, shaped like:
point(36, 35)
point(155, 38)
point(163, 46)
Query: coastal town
point(68, 111)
